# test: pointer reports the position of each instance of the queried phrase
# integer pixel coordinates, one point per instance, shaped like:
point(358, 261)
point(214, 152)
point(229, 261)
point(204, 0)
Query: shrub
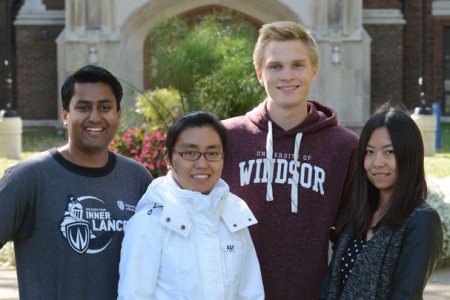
point(159, 107)
point(436, 200)
point(7, 257)
point(145, 146)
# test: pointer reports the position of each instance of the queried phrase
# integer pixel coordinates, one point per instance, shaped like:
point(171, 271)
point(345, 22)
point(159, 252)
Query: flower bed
point(145, 146)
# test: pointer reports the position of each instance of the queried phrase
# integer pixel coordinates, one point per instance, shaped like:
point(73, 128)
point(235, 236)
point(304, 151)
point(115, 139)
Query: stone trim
point(383, 17)
point(48, 17)
point(440, 8)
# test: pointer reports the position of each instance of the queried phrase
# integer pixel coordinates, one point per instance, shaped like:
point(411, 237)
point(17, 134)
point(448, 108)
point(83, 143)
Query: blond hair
point(284, 31)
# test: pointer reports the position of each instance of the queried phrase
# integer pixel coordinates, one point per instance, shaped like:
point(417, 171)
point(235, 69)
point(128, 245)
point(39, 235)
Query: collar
point(177, 217)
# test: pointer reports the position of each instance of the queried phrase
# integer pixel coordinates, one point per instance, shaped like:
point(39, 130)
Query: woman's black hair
point(195, 119)
point(410, 189)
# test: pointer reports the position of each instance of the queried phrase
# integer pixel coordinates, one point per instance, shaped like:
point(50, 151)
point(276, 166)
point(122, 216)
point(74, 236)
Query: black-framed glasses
point(195, 155)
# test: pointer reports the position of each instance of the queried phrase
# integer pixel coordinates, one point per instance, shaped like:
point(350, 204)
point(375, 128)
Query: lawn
point(33, 142)
point(439, 164)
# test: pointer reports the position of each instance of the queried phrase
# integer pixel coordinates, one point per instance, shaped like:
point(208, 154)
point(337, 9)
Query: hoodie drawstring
point(270, 168)
point(294, 189)
point(270, 162)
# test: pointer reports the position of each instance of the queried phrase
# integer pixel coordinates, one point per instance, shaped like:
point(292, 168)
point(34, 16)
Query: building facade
point(370, 50)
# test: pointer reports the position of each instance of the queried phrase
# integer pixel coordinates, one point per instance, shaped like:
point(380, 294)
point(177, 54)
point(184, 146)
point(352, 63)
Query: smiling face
point(92, 120)
point(200, 175)
point(287, 73)
point(380, 163)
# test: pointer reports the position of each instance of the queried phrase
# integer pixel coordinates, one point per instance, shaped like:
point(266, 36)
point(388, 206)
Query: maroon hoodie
point(296, 203)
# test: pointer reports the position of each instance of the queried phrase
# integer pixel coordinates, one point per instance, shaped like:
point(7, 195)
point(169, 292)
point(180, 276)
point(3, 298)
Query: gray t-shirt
point(67, 223)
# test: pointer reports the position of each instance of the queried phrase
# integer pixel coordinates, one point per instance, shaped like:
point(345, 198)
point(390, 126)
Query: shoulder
point(346, 135)
point(31, 164)
point(148, 215)
point(131, 164)
point(236, 200)
point(128, 161)
point(424, 225)
point(237, 209)
point(234, 122)
point(424, 216)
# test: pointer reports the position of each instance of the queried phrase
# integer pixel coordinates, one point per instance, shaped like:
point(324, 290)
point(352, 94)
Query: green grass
point(41, 141)
point(439, 164)
point(445, 138)
point(33, 142)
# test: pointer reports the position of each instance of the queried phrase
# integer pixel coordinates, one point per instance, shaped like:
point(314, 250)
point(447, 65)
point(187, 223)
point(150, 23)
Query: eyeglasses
point(195, 155)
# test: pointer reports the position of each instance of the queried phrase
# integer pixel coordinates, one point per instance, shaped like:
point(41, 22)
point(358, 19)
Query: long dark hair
point(410, 189)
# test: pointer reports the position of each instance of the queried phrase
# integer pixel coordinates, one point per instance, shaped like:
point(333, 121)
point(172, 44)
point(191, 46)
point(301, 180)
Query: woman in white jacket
point(189, 237)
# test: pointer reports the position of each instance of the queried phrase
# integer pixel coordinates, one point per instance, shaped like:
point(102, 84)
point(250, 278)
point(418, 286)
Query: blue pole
point(437, 112)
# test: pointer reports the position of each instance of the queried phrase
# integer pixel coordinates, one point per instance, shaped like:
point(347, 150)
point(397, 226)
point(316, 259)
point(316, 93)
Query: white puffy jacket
point(182, 244)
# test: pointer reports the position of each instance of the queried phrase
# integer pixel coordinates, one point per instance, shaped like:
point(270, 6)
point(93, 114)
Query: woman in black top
point(391, 240)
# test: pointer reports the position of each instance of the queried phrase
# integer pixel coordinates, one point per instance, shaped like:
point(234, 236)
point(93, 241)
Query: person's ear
point(315, 69)
point(259, 75)
point(166, 158)
point(64, 115)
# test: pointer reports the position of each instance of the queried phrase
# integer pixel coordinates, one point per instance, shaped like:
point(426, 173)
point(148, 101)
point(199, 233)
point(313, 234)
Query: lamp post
point(422, 109)
point(10, 122)
point(423, 115)
point(8, 62)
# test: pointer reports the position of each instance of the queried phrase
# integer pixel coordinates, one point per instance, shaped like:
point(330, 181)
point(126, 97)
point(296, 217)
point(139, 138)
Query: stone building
point(370, 50)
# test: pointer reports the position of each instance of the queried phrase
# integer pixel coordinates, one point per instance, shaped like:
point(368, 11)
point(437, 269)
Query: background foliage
point(209, 64)
point(436, 199)
point(144, 146)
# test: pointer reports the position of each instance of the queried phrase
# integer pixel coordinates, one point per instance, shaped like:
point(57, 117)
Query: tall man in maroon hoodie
point(292, 163)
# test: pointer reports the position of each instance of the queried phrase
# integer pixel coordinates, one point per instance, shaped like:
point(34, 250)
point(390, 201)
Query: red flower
point(144, 146)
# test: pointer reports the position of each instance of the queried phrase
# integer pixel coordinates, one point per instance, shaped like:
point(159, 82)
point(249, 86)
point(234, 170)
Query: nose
point(287, 74)
point(201, 163)
point(94, 115)
point(379, 161)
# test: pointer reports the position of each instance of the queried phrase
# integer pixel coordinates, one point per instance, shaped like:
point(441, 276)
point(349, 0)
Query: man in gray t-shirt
point(65, 208)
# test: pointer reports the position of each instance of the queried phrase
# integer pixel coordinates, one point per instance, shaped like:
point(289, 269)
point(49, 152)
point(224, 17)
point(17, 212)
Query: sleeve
point(16, 214)
point(326, 282)
point(250, 284)
point(140, 257)
point(421, 248)
point(345, 200)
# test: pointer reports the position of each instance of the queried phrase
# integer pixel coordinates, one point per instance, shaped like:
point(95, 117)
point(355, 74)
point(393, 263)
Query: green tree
point(210, 63)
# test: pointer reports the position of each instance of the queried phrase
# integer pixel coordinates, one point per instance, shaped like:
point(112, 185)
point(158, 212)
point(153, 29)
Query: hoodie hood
point(318, 118)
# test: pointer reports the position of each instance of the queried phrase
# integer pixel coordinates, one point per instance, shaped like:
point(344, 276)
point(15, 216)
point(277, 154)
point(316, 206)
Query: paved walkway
point(438, 287)
point(8, 284)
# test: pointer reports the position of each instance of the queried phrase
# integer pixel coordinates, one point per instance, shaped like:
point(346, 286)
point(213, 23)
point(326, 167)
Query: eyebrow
point(301, 60)
point(386, 146)
point(215, 146)
point(90, 101)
